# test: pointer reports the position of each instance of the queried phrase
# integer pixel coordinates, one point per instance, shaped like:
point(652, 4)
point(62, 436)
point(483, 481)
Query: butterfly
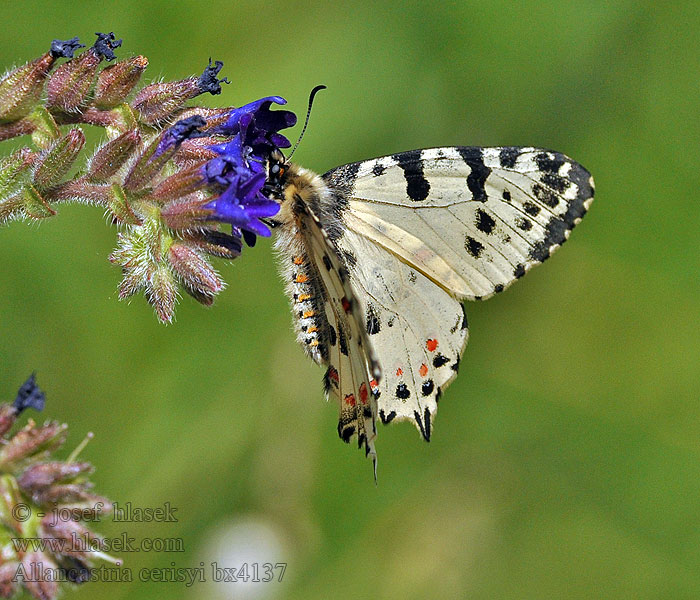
point(378, 255)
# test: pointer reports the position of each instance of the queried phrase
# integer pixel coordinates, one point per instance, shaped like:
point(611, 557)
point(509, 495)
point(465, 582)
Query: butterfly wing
point(352, 365)
point(417, 329)
point(471, 219)
point(429, 227)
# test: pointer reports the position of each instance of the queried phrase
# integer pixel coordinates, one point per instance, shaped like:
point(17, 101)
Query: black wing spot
point(474, 247)
point(484, 221)
point(440, 360)
point(327, 262)
point(373, 323)
point(345, 433)
point(476, 181)
point(378, 169)
point(544, 195)
point(455, 364)
point(438, 395)
point(402, 391)
point(332, 338)
point(508, 156)
point(556, 182)
point(367, 412)
point(343, 340)
point(424, 428)
point(427, 387)
point(555, 235)
point(548, 164)
point(531, 208)
point(386, 419)
point(519, 271)
point(525, 224)
point(417, 186)
point(498, 288)
point(506, 195)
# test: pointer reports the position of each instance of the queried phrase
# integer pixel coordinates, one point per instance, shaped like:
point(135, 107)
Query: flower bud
point(61, 494)
point(9, 585)
point(184, 182)
point(32, 441)
point(55, 162)
point(10, 497)
point(159, 101)
point(42, 475)
point(38, 575)
point(8, 416)
point(112, 156)
point(16, 129)
point(216, 243)
point(194, 270)
point(120, 208)
point(71, 82)
point(116, 82)
point(15, 171)
point(148, 166)
point(161, 292)
point(185, 213)
point(78, 540)
point(45, 131)
point(33, 204)
point(20, 90)
point(196, 150)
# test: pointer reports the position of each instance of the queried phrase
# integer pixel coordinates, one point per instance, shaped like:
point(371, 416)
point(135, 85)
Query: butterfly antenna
point(315, 91)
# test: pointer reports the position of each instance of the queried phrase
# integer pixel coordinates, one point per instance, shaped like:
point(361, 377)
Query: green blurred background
point(565, 461)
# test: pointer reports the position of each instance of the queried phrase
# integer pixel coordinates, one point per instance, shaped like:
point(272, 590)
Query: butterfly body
point(377, 257)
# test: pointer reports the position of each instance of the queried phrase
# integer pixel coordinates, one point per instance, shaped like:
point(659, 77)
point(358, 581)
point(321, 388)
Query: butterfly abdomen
point(303, 283)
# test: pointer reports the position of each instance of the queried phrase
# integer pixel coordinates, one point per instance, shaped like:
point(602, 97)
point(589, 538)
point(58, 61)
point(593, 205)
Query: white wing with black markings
point(425, 229)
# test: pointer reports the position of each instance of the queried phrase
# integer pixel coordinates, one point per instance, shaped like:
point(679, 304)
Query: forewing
point(471, 219)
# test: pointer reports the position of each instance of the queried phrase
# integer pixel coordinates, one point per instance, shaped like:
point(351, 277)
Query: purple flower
point(242, 175)
point(259, 124)
point(105, 45)
point(184, 129)
point(239, 170)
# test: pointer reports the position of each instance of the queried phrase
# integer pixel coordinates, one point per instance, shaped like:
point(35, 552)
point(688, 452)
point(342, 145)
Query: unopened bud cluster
point(151, 175)
point(34, 487)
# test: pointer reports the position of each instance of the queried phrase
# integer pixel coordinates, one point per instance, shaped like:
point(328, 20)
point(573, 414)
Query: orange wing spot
point(333, 374)
point(301, 278)
point(298, 260)
point(314, 343)
point(431, 345)
point(350, 400)
point(303, 297)
point(312, 329)
point(363, 393)
point(399, 372)
point(423, 370)
point(308, 314)
point(346, 304)
point(373, 384)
